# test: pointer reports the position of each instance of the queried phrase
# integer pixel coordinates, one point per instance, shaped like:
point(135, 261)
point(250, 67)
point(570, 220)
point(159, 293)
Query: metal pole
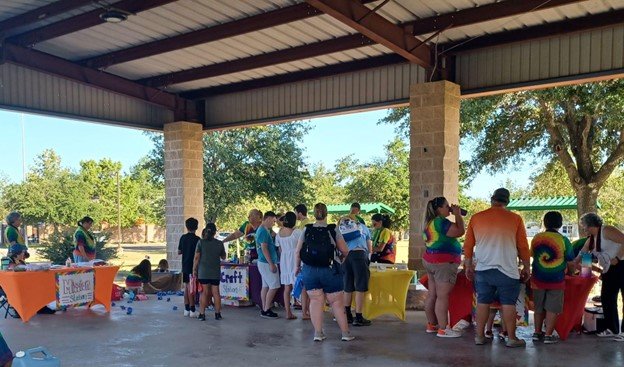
point(118, 212)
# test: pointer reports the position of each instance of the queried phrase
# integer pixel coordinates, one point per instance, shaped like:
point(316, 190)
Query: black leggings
point(612, 284)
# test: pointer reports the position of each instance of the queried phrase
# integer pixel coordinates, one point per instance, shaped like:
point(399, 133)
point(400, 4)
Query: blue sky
point(329, 139)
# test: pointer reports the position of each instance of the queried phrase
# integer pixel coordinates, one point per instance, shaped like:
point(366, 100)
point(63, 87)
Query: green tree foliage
point(323, 186)
point(582, 126)
point(383, 180)
point(242, 164)
point(59, 246)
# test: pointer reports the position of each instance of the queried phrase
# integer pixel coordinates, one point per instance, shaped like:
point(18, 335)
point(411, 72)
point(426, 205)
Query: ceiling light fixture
point(114, 16)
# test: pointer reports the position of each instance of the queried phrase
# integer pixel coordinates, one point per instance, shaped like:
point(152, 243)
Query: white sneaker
point(319, 337)
point(187, 313)
point(193, 314)
point(606, 334)
point(448, 333)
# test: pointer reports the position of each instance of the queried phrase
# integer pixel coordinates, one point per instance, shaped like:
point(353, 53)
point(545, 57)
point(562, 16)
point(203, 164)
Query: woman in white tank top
point(606, 243)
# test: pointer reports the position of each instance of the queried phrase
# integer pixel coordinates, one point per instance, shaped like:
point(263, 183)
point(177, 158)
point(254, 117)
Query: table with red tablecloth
point(460, 298)
point(576, 293)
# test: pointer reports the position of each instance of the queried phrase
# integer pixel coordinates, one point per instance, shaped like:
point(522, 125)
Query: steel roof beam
point(315, 73)
point(258, 61)
point(82, 21)
point(541, 31)
point(379, 29)
point(481, 14)
point(49, 64)
point(41, 13)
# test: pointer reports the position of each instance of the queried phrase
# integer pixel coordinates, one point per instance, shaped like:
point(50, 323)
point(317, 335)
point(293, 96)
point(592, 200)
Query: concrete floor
point(155, 335)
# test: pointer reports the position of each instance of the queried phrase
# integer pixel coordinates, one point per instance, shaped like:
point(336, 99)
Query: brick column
point(434, 154)
point(184, 182)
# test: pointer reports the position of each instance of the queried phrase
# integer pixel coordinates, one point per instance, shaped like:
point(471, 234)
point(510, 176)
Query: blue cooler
point(35, 357)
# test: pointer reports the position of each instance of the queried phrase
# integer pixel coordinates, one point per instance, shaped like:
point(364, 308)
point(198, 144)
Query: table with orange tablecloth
point(29, 291)
point(460, 298)
point(575, 296)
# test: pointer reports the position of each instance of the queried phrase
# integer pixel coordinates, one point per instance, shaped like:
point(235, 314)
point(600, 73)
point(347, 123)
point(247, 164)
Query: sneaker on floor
point(218, 316)
point(537, 337)
point(489, 334)
point(515, 343)
point(448, 333)
point(187, 313)
point(349, 318)
point(319, 337)
point(479, 340)
point(361, 322)
point(268, 314)
point(606, 334)
point(193, 314)
point(550, 339)
point(347, 337)
point(431, 328)
point(201, 317)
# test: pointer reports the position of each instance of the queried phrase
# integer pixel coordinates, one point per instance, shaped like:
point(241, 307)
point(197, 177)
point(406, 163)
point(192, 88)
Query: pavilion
point(189, 66)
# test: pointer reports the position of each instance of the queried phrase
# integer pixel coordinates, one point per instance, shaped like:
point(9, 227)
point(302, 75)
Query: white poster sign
point(234, 283)
point(75, 288)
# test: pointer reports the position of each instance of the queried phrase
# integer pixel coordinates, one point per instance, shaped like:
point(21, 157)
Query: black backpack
point(318, 249)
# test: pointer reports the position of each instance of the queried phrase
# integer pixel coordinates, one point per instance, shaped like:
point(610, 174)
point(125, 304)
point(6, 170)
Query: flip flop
point(292, 317)
point(305, 317)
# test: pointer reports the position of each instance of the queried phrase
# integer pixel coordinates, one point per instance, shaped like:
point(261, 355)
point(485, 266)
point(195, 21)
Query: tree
point(243, 164)
point(582, 126)
point(383, 180)
point(323, 186)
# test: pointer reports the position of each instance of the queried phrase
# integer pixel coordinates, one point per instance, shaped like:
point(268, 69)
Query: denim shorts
point(492, 283)
point(329, 279)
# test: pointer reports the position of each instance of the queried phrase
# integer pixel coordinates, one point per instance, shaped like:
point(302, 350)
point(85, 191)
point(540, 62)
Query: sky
point(329, 139)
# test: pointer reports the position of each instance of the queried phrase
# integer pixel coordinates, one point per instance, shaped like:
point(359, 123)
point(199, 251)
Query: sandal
point(489, 334)
point(291, 317)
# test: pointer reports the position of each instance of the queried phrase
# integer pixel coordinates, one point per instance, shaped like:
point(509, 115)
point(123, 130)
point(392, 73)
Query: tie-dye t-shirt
point(439, 247)
point(550, 251)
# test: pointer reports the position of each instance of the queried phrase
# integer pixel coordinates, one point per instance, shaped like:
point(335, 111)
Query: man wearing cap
point(498, 237)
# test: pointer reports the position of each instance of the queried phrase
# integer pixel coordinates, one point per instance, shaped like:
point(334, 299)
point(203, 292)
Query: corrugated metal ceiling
point(184, 16)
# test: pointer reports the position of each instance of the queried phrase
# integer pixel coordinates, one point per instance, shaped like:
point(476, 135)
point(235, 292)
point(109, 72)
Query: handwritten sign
point(234, 283)
point(75, 288)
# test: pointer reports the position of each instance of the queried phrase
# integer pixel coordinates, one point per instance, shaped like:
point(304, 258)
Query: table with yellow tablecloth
point(387, 293)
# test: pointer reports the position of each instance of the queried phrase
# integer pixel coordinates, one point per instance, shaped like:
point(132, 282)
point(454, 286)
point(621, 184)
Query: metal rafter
point(80, 22)
point(41, 13)
point(377, 28)
point(57, 66)
point(341, 68)
point(481, 14)
point(253, 62)
point(541, 31)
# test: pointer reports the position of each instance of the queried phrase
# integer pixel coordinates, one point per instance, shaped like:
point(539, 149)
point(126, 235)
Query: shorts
point(442, 272)
point(269, 280)
point(329, 279)
point(356, 272)
point(210, 281)
point(186, 277)
point(492, 281)
point(550, 300)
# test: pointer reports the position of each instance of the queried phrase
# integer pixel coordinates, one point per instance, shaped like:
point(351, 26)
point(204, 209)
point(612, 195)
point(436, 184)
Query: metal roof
point(365, 208)
point(552, 203)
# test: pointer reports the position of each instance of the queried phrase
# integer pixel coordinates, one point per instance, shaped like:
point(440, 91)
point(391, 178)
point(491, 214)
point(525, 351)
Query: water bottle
point(28, 359)
point(247, 256)
point(586, 264)
point(68, 262)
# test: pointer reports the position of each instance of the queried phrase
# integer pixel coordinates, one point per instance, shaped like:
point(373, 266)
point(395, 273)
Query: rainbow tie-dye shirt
point(439, 247)
point(550, 251)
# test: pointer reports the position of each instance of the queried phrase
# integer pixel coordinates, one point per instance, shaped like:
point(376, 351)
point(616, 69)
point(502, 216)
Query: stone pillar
point(184, 182)
point(434, 154)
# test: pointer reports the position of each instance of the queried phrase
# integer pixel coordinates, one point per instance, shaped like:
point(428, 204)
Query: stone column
point(184, 182)
point(434, 154)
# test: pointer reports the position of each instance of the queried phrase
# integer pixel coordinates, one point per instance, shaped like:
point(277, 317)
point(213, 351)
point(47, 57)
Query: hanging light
point(113, 16)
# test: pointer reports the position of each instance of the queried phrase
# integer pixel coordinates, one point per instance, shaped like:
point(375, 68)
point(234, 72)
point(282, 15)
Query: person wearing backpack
point(356, 271)
point(322, 274)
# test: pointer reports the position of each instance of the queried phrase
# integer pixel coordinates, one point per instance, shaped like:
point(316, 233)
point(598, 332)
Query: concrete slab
point(155, 335)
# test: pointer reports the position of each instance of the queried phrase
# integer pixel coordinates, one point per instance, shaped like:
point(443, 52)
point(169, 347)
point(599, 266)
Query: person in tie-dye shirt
point(551, 252)
point(441, 260)
point(247, 230)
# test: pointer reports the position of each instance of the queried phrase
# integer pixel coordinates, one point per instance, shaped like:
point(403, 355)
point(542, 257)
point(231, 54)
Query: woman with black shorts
point(207, 269)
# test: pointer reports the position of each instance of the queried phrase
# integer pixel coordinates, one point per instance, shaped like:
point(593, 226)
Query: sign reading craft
point(234, 283)
point(75, 288)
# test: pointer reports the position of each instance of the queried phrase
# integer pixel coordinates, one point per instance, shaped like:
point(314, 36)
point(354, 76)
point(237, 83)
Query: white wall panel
point(378, 87)
point(592, 53)
point(33, 91)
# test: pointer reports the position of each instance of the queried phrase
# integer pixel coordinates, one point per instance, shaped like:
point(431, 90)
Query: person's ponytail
point(209, 232)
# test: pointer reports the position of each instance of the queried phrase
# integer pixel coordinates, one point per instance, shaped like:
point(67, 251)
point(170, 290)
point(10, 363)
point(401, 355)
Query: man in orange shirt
point(498, 238)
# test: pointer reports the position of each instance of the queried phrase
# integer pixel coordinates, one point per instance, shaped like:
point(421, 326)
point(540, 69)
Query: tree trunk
point(587, 199)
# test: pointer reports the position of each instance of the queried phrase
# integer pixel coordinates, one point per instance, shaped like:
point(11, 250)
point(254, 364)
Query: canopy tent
point(553, 203)
point(365, 208)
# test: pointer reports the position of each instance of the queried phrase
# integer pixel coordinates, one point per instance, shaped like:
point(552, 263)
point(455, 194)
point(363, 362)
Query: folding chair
point(4, 304)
